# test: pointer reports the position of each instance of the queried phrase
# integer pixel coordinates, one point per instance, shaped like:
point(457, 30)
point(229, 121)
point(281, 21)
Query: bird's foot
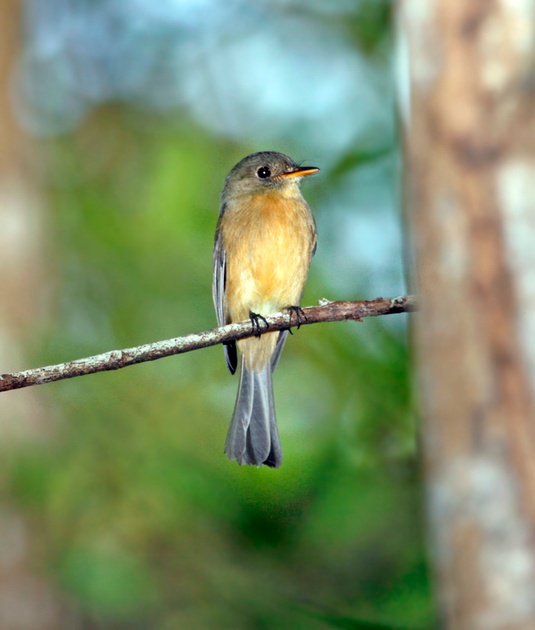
point(255, 321)
point(299, 313)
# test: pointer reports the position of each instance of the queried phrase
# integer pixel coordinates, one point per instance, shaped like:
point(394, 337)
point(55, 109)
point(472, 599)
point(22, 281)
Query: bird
point(265, 239)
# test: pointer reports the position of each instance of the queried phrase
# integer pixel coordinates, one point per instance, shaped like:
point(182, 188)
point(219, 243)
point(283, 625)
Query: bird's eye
point(263, 172)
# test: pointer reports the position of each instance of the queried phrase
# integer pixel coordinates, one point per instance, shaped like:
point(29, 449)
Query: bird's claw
point(255, 322)
point(299, 313)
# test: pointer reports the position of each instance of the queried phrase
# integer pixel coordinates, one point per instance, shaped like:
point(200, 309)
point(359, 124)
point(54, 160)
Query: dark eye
point(263, 172)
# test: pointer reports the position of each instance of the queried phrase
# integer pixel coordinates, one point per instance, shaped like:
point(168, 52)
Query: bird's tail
point(253, 437)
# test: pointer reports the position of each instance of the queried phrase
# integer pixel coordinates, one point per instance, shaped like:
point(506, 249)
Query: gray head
point(263, 172)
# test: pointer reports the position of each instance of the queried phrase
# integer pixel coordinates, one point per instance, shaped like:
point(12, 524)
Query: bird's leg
point(299, 313)
point(255, 321)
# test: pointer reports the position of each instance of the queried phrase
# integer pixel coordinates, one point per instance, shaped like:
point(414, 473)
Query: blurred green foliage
point(141, 520)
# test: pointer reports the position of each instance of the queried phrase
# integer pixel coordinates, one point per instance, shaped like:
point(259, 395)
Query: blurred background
point(119, 121)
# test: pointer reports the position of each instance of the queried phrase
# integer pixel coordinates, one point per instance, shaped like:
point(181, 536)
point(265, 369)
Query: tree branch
point(117, 359)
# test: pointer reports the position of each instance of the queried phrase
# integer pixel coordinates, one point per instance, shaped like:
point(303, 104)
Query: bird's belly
point(272, 279)
point(267, 264)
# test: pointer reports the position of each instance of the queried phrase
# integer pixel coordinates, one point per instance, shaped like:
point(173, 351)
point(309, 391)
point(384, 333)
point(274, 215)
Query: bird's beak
point(301, 171)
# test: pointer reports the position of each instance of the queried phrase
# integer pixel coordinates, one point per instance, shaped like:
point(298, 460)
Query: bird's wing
point(281, 340)
point(218, 279)
point(218, 293)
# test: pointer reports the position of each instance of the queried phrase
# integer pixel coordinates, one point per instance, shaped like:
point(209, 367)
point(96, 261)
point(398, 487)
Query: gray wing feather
point(278, 349)
point(218, 279)
point(218, 293)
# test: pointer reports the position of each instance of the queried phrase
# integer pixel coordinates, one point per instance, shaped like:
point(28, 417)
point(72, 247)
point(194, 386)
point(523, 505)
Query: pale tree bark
point(470, 164)
point(26, 600)
point(327, 311)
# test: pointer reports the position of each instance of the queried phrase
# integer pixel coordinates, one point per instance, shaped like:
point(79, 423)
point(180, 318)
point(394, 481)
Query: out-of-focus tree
point(470, 159)
point(27, 602)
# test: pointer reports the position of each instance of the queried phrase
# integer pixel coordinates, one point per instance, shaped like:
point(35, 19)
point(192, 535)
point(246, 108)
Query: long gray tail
point(253, 437)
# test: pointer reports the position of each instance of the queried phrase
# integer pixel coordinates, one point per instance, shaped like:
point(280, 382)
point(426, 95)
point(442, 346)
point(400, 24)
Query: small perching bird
point(265, 239)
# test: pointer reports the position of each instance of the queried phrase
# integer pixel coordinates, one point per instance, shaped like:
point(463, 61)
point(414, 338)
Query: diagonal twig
point(117, 359)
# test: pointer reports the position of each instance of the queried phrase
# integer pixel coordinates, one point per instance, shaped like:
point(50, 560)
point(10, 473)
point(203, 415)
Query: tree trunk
point(470, 191)
point(26, 600)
